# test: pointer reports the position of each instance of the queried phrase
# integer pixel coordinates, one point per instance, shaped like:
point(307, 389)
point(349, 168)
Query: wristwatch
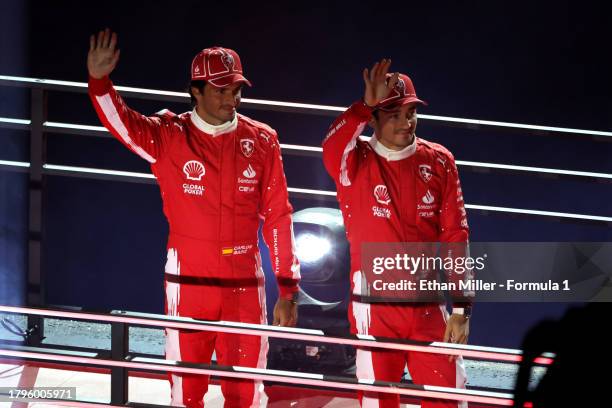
point(465, 311)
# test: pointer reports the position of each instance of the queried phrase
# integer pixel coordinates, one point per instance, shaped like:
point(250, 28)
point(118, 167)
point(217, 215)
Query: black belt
point(225, 282)
point(219, 282)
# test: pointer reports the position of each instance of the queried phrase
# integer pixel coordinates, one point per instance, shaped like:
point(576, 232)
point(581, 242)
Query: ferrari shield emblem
point(247, 146)
point(425, 172)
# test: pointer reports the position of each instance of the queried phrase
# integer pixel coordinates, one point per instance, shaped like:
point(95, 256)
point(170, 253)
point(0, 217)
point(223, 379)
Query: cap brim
point(228, 80)
point(399, 103)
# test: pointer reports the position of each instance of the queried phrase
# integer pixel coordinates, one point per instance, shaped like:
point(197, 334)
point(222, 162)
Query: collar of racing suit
point(212, 129)
point(392, 155)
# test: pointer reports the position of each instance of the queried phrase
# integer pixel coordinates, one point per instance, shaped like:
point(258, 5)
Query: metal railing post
point(38, 149)
point(119, 375)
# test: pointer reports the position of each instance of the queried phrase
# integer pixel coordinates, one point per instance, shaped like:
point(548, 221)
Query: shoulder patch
point(441, 153)
point(165, 114)
point(169, 117)
point(265, 132)
point(265, 136)
point(255, 123)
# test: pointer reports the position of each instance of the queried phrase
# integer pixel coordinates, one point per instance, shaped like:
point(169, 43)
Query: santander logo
point(381, 194)
point(194, 170)
point(249, 172)
point(428, 198)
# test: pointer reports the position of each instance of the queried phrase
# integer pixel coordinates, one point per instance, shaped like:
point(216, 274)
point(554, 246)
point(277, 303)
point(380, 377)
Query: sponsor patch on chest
point(426, 205)
point(193, 171)
point(381, 212)
point(247, 180)
point(382, 194)
point(193, 189)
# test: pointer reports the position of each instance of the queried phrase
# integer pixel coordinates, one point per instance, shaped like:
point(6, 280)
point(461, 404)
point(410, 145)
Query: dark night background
point(544, 63)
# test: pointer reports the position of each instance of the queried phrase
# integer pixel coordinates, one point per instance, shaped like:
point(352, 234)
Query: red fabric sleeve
point(145, 136)
point(341, 140)
point(278, 226)
point(453, 220)
point(454, 230)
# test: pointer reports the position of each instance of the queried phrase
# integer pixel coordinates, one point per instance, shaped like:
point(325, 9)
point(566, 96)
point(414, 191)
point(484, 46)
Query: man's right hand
point(376, 85)
point(102, 57)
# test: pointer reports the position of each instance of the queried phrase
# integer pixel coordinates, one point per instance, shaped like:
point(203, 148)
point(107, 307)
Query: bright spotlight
point(311, 248)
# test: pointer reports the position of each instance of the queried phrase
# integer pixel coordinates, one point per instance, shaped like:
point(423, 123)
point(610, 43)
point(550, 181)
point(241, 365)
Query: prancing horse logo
point(425, 172)
point(247, 146)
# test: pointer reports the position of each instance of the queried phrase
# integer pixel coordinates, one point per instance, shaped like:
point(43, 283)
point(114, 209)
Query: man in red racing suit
point(219, 173)
point(397, 188)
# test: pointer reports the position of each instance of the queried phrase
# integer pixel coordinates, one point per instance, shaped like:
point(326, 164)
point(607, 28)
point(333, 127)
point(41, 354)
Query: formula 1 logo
point(381, 194)
point(247, 146)
point(194, 170)
point(425, 172)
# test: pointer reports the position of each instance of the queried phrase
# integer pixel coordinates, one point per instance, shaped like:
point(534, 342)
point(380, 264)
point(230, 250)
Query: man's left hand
point(285, 313)
point(457, 331)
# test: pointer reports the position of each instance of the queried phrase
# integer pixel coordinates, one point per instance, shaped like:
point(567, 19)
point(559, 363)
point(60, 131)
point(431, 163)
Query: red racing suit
point(216, 183)
point(412, 195)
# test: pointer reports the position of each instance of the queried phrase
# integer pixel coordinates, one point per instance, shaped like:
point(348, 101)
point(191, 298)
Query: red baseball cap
point(402, 93)
point(218, 66)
